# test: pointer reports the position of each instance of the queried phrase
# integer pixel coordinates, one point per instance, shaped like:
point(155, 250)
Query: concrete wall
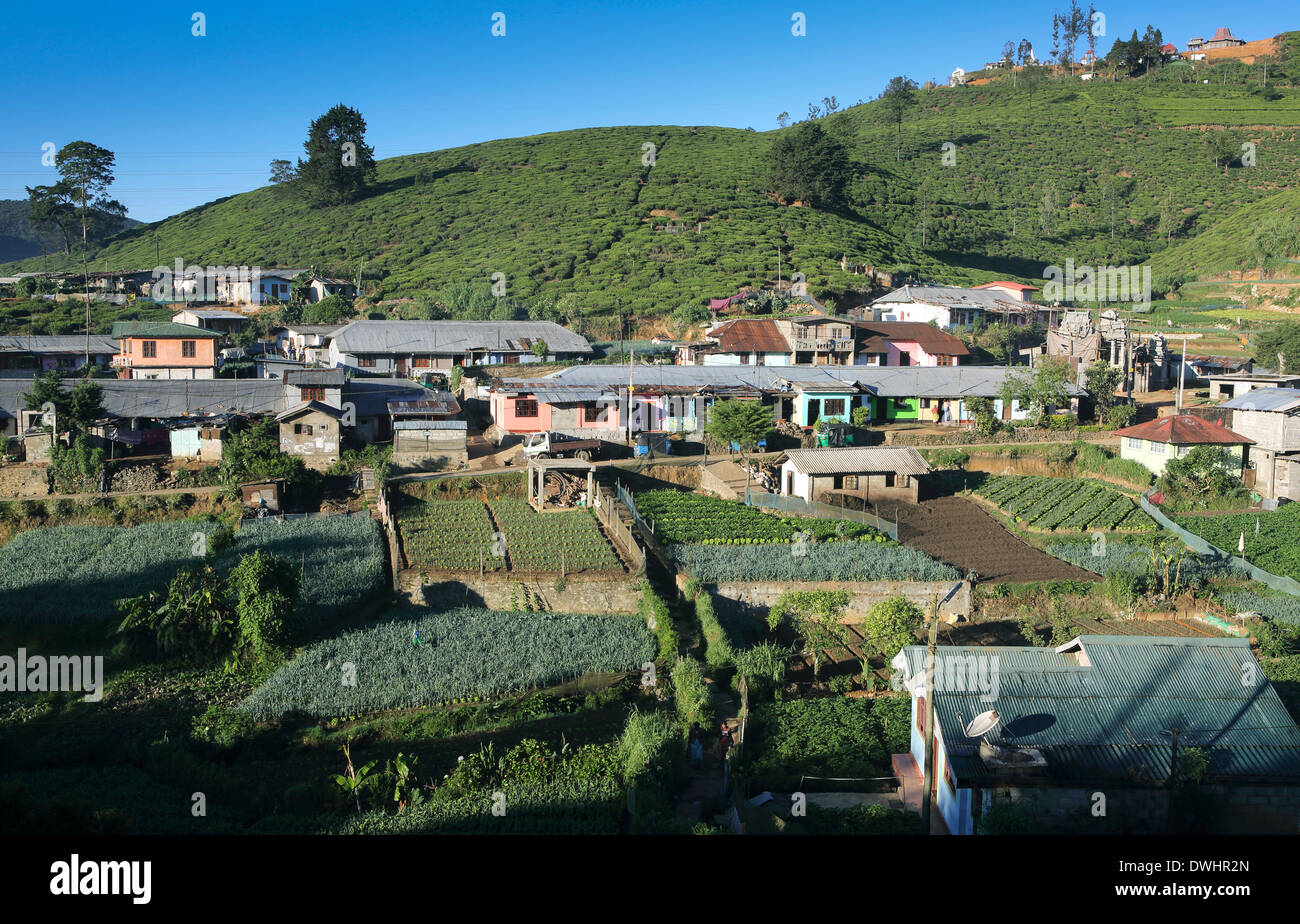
point(582, 593)
point(317, 449)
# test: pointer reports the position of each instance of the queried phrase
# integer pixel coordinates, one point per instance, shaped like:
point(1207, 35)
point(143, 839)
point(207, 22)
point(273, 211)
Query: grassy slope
point(571, 211)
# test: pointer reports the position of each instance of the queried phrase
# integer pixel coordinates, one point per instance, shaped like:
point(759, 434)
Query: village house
point(1233, 385)
point(308, 343)
point(951, 307)
point(905, 343)
point(739, 342)
point(27, 356)
point(1270, 417)
point(821, 340)
point(867, 474)
point(223, 322)
point(164, 350)
point(319, 287)
point(1117, 716)
point(426, 434)
point(409, 347)
point(1155, 442)
point(323, 385)
point(313, 432)
point(1222, 38)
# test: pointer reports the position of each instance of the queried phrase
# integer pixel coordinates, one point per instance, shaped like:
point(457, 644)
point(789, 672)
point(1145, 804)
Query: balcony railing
point(824, 345)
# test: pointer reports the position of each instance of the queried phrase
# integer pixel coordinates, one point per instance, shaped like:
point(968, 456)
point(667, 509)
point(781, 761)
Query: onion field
point(66, 573)
point(440, 656)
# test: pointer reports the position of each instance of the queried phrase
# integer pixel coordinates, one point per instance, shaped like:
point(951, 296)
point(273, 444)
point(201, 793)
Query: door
point(814, 411)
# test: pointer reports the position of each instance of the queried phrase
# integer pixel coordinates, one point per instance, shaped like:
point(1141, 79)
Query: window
point(1134, 443)
point(904, 359)
point(850, 482)
point(313, 392)
point(302, 429)
point(744, 359)
point(526, 407)
point(1183, 450)
point(920, 715)
point(149, 349)
point(422, 362)
point(760, 359)
point(187, 349)
point(889, 479)
point(833, 407)
point(1158, 448)
point(591, 412)
point(366, 362)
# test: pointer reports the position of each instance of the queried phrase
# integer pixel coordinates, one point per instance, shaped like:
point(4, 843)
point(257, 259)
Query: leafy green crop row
point(681, 516)
point(1064, 503)
point(1276, 547)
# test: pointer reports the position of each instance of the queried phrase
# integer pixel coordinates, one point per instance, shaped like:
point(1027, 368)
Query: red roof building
point(1155, 442)
point(1017, 290)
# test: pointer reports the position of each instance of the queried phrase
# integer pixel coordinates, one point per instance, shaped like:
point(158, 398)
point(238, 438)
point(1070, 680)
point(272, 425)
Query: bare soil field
point(957, 531)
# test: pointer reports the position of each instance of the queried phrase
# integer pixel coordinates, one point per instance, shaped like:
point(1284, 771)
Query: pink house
point(520, 412)
point(906, 343)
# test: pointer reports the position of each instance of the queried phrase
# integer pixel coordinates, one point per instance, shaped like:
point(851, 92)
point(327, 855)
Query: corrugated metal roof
point(429, 425)
point(1184, 430)
point(453, 337)
point(330, 378)
point(309, 407)
point(1265, 399)
point(902, 460)
point(160, 329)
point(954, 297)
point(749, 335)
point(58, 343)
point(1101, 707)
point(212, 314)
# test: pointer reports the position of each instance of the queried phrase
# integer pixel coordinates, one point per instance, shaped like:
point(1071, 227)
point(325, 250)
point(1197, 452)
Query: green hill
point(577, 211)
point(19, 240)
point(1226, 244)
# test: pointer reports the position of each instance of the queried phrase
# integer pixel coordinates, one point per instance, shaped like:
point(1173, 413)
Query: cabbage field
point(66, 573)
point(1275, 548)
point(463, 653)
point(455, 535)
point(681, 516)
point(1051, 503)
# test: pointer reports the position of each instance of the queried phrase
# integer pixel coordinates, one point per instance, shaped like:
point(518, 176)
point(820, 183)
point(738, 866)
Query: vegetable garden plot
point(1051, 503)
point(453, 534)
point(548, 542)
point(460, 653)
point(681, 516)
point(1275, 548)
point(77, 572)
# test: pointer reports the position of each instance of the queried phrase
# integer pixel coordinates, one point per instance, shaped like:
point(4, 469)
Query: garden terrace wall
point(757, 597)
point(504, 590)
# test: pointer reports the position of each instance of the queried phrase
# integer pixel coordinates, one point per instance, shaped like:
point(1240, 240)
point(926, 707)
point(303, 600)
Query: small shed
point(869, 473)
point(263, 495)
point(311, 430)
point(202, 441)
point(430, 445)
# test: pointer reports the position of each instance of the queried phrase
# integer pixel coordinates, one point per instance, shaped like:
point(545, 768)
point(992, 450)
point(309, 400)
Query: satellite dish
point(982, 724)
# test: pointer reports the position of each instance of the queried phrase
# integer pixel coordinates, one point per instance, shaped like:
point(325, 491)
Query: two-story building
point(821, 340)
point(164, 350)
point(24, 356)
point(953, 306)
point(1270, 417)
point(906, 343)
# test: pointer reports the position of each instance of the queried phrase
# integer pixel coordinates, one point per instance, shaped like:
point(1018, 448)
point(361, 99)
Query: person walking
point(724, 742)
point(695, 745)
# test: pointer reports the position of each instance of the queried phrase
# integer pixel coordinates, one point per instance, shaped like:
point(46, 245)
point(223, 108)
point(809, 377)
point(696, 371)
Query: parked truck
point(551, 445)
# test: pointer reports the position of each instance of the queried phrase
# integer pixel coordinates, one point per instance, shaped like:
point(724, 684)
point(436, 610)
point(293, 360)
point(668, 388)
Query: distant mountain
point(19, 240)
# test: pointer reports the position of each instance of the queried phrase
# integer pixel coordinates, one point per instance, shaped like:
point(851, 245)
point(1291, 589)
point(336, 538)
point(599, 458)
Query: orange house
point(165, 351)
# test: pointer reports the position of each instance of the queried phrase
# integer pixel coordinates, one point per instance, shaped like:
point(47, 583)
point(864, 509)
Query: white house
point(1271, 417)
point(952, 306)
point(869, 473)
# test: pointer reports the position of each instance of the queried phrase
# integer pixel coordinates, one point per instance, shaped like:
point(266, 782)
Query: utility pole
point(778, 269)
point(1182, 370)
point(629, 401)
point(928, 778)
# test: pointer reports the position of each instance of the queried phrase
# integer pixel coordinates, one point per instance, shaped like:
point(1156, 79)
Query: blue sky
point(195, 118)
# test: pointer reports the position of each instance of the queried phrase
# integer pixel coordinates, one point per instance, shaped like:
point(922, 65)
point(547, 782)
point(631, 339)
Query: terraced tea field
point(504, 534)
point(1044, 502)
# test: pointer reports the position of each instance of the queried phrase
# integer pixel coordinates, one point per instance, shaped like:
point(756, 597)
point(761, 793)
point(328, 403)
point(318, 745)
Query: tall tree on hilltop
point(339, 163)
point(897, 100)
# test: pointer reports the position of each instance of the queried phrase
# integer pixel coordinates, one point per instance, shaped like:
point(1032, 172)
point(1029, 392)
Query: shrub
point(691, 694)
point(891, 624)
point(717, 651)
